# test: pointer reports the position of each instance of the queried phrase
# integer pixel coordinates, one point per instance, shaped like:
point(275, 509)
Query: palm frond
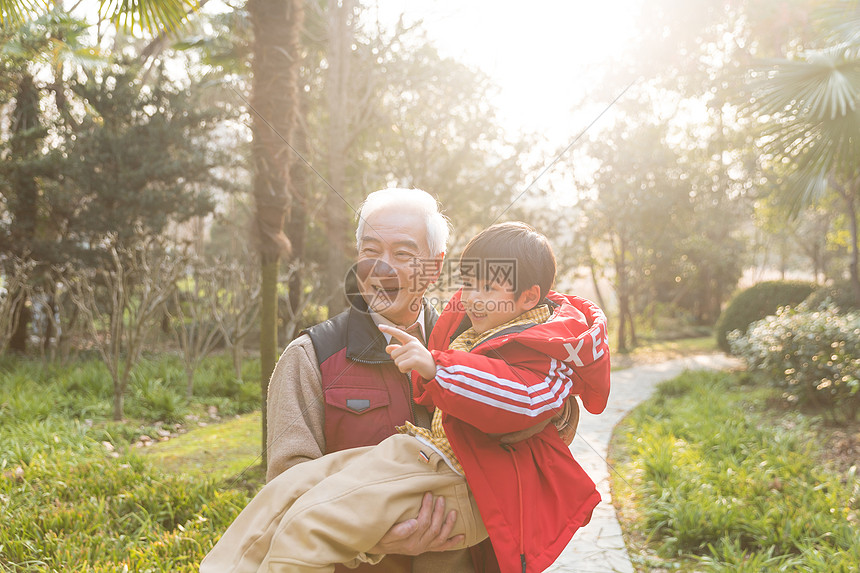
point(14, 12)
point(86, 57)
point(154, 16)
point(810, 110)
point(814, 152)
point(825, 84)
point(842, 18)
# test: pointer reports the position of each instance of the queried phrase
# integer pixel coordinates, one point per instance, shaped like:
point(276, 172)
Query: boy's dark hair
point(512, 251)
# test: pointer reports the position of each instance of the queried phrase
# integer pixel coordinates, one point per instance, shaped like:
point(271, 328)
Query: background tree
point(141, 160)
point(121, 300)
point(34, 49)
point(235, 307)
point(197, 333)
point(439, 134)
point(235, 302)
point(274, 103)
point(634, 209)
point(15, 282)
point(809, 108)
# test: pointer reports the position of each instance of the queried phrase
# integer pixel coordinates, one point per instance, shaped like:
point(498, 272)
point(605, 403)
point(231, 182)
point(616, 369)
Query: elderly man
point(335, 387)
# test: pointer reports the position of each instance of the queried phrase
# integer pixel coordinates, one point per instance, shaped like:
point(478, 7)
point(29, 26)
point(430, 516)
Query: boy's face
point(491, 303)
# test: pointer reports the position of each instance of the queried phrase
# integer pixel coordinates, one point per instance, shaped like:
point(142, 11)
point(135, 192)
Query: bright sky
point(543, 54)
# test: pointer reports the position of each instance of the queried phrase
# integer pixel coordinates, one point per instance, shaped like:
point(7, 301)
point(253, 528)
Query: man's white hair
point(408, 200)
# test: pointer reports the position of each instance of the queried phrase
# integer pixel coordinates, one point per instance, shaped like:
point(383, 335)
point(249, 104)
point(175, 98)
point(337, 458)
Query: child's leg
point(246, 542)
point(339, 520)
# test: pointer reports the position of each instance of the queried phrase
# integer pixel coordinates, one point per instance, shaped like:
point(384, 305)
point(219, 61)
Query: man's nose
point(381, 268)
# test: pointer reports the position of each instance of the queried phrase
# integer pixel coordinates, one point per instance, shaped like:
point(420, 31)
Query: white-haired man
point(335, 387)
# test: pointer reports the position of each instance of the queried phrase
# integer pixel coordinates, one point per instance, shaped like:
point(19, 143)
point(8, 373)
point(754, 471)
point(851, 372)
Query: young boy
point(505, 354)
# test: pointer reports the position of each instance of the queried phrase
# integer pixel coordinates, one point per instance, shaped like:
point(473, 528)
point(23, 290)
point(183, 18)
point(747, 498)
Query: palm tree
point(810, 108)
point(153, 16)
point(275, 105)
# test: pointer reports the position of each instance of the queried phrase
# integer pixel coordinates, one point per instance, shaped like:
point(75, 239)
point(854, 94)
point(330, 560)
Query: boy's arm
point(488, 393)
point(496, 396)
point(565, 422)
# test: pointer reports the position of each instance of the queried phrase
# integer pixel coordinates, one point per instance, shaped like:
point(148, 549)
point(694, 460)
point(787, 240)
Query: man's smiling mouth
point(385, 292)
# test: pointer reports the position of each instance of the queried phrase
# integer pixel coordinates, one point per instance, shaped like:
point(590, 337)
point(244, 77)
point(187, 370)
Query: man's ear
point(530, 297)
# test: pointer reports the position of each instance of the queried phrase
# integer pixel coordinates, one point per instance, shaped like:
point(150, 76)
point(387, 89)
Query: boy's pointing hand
point(409, 354)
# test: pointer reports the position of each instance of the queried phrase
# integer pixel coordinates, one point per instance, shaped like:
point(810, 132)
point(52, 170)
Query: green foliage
point(34, 392)
point(674, 238)
point(812, 355)
point(717, 488)
point(74, 490)
point(220, 451)
point(840, 293)
point(106, 514)
point(757, 302)
point(134, 171)
point(157, 400)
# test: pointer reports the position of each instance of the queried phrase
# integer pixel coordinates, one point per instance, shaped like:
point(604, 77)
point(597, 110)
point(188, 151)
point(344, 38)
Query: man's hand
point(427, 532)
point(410, 354)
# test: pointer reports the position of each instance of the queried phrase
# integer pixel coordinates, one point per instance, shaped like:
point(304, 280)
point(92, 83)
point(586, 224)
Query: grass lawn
point(218, 451)
point(716, 474)
point(77, 493)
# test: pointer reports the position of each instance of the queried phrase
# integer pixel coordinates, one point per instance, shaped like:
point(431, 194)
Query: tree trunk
point(274, 104)
point(268, 335)
point(118, 396)
point(48, 335)
point(25, 143)
point(297, 223)
point(634, 340)
point(594, 281)
point(189, 382)
point(623, 296)
point(851, 212)
point(236, 353)
point(18, 340)
point(340, 36)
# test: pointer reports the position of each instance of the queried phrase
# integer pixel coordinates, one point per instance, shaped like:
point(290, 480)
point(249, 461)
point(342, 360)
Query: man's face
point(394, 266)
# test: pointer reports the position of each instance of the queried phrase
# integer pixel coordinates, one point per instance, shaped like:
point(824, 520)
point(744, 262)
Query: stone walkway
point(599, 547)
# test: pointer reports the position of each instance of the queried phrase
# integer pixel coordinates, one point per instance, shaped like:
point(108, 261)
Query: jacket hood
point(575, 334)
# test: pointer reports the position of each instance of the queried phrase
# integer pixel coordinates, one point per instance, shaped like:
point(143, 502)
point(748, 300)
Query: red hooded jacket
point(532, 495)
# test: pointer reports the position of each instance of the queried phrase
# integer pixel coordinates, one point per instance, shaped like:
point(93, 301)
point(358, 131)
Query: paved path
point(599, 547)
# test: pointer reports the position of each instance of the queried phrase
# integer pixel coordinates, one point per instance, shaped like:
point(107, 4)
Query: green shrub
point(840, 293)
point(154, 399)
point(717, 484)
point(814, 356)
point(757, 302)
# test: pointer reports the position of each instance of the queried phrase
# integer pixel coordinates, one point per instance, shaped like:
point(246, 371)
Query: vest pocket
point(357, 400)
point(356, 417)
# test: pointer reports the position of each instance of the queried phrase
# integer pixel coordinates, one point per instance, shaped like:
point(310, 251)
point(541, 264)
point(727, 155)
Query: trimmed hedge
point(840, 293)
point(812, 355)
point(757, 302)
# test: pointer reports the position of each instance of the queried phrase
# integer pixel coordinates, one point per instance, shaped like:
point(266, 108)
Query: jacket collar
point(465, 324)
